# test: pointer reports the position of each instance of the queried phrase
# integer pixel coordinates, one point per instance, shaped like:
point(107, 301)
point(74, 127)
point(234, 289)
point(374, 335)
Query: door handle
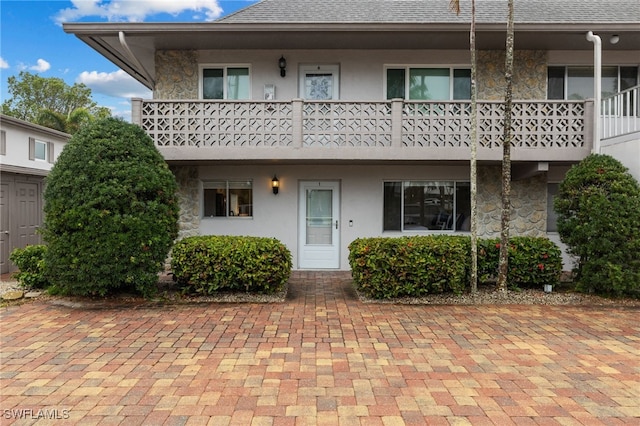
point(5, 232)
point(336, 224)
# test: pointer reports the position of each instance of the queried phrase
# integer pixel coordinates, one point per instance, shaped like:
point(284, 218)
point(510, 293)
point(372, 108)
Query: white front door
point(319, 82)
point(319, 234)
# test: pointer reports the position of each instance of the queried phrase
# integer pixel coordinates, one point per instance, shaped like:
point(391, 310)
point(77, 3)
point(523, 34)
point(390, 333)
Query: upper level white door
point(320, 82)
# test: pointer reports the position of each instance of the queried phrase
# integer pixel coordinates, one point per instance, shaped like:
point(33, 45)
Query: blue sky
point(32, 39)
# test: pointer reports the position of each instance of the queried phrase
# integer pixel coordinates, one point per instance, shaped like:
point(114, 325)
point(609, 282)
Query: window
point(576, 83)
point(3, 142)
point(228, 198)
point(433, 84)
point(225, 83)
point(427, 205)
point(40, 150)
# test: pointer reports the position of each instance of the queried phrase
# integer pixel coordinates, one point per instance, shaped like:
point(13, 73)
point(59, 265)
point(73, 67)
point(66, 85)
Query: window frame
point(227, 196)
point(225, 87)
point(407, 83)
point(454, 214)
point(565, 77)
point(48, 150)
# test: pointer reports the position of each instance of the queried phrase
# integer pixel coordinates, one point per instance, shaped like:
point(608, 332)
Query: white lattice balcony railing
point(397, 129)
point(621, 113)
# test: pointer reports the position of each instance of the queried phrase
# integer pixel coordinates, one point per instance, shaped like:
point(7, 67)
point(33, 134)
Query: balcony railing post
point(589, 117)
point(296, 122)
point(396, 122)
point(136, 111)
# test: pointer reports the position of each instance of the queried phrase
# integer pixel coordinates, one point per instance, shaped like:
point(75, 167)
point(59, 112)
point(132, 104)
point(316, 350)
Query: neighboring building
point(27, 153)
point(360, 110)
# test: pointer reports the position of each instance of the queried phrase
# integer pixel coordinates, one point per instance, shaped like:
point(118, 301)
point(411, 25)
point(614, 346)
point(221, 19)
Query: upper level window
point(40, 150)
point(228, 198)
point(576, 83)
point(427, 205)
point(225, 82)
point(433, 84)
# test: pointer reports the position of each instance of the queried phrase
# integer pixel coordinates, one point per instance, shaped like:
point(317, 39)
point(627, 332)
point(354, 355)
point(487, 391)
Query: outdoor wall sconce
point(282, 64)
point(275, 184)
point(614, 39)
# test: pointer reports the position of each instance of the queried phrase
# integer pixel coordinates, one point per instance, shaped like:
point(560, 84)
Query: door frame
point(320, 256)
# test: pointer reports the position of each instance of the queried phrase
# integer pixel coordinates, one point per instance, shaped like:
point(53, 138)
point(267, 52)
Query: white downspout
point(597, 88)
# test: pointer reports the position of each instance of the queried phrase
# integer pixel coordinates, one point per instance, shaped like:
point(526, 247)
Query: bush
point(598, 206)
point(533, 261)
point(212, 264)
point(30, 262)
point(111, 212)
point(409, 266)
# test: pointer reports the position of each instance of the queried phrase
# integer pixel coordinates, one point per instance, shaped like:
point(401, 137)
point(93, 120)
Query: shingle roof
point(436, 11)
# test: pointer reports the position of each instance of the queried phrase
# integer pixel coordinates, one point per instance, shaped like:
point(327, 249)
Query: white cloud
point(136, 10)
point(41, 66)
point(117, 84)
point(3, 64)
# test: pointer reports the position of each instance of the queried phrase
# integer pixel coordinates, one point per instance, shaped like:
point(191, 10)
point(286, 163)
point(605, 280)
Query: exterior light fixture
point(282, 64)
point(275, 184)
point(614, 39)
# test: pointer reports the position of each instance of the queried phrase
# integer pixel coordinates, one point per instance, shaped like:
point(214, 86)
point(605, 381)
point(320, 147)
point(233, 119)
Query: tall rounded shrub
point(598, 206)
point(111, 212)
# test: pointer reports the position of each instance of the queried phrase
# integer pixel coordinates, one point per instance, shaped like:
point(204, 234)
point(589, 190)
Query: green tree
point(68, 124)
point(111, 211)
point(598, 206)
point(51, 102)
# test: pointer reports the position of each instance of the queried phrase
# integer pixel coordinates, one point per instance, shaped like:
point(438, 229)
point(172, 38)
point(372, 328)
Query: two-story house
point(320, 121)
point(27, 153)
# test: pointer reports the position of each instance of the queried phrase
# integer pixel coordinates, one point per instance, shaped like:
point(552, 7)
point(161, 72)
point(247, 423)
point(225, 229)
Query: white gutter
point(132, 58)
point(597, 84)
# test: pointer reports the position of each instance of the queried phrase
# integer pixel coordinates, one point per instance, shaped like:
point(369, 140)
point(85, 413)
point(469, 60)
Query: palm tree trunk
point(506, 157)
point(455, 6)
point(474, 153)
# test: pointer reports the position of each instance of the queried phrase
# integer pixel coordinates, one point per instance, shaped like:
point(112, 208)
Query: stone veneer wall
point(176, 74)
point(188, 197)
point(528, 204)
point(529, 75)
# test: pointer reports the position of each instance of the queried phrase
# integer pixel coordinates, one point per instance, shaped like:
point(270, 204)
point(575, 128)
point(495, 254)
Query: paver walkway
point(321, 358)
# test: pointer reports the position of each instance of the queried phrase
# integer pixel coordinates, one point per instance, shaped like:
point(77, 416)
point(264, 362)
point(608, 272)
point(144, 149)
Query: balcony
point(621, 113)
point(362, 131)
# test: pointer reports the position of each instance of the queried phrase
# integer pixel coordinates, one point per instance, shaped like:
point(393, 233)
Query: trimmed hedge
point(415, 266)
point(211, 264)
point(30, 262)
point(533, 261)
point(409, 266)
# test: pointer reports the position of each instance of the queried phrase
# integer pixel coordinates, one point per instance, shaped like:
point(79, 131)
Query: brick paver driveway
point(320, 358)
